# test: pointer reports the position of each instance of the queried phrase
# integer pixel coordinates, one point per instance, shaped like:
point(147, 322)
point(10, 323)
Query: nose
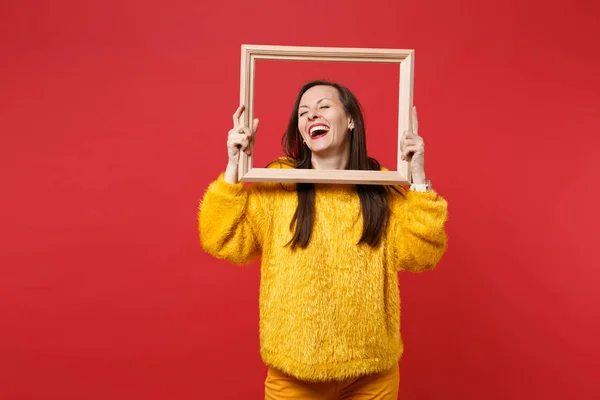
point(312, 115)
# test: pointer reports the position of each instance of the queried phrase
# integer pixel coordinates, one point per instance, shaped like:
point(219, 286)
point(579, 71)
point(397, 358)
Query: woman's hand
point(240, 138)
point(412, 149)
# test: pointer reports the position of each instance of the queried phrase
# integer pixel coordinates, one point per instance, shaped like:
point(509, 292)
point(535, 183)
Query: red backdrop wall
point(113, 121)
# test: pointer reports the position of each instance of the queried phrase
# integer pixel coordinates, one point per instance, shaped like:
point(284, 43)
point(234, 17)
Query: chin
point(321, 149)
point(325, 146)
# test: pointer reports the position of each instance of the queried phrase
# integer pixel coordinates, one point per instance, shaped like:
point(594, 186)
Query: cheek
point(301, 125)
point(341, 124)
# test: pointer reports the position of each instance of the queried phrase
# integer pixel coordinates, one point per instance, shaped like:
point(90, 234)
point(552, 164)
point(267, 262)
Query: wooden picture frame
point(405, 59)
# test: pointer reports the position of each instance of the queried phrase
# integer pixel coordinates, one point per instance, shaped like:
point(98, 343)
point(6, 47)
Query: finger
point(250, 140)
point(243, 133)
point(238, 114)
point(255, 125)
point(406, 155)
point(405, 134)
point(413, 141)
point(240, 142)
point(416, 147)
point(415, 121)
point(236, 135)
point(237, 132)
point(410, 137)
point(413, 149)
point(249, 136)
point(408, 140)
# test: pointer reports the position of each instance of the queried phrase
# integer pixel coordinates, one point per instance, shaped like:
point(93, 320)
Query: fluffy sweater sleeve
point(418, 238)
point(230, 221)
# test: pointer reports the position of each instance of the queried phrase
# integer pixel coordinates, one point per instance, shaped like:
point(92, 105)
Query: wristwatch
point(421, 187)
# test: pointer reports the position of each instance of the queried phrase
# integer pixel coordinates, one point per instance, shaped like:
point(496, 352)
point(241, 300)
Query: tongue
point(319, 134)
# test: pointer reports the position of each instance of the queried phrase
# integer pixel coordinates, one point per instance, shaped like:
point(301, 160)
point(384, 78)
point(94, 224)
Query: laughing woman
point(330, 253)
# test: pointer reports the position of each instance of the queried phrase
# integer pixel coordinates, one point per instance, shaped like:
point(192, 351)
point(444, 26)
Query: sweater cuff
point(432, 194)
point(226, 188)
point(424, 198)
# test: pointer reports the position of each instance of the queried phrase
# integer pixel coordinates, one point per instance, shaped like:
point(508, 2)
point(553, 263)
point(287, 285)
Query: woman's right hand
point(240, 138)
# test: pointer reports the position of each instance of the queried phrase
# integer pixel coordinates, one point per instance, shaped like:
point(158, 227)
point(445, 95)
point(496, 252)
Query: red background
point(113, 119)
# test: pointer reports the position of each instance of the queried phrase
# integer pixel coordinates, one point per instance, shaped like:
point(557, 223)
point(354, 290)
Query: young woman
point(330, 253)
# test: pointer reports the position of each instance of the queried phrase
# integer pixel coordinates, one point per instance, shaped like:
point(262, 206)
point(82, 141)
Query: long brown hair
point(373, 198)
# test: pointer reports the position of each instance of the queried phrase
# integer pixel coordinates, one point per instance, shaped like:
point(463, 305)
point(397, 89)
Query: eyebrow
point(324, 98)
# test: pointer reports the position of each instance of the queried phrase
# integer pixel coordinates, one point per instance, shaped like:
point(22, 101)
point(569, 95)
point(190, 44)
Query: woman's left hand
point(413, 150)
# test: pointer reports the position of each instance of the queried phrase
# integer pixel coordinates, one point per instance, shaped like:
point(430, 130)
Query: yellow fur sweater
point(330, 311)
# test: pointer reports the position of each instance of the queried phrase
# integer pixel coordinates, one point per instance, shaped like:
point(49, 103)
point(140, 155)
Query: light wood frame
point(405, 58)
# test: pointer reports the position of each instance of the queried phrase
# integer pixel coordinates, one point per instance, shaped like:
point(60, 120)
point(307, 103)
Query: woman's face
point(322, 120)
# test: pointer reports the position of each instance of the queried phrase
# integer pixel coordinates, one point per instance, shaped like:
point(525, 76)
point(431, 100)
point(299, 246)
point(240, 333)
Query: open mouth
point(318, 131)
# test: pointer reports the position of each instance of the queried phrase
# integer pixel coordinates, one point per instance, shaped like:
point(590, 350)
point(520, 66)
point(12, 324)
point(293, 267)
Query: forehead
point(317, 93)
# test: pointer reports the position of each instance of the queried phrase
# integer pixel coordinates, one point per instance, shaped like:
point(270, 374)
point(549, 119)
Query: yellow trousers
point(382, 386)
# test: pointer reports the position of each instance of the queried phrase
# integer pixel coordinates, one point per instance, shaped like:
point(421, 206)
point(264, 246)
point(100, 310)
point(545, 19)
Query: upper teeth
point(318, 128)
